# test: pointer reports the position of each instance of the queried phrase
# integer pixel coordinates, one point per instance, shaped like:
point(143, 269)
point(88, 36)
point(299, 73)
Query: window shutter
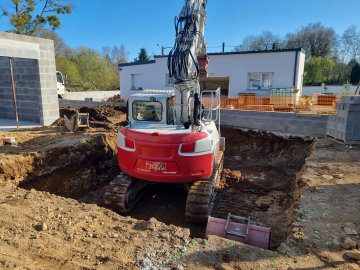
point(137, 81)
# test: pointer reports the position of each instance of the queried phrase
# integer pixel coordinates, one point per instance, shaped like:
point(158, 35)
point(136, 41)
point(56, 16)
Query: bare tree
point(105, 52)
point(264, 41)
point(315, 39)
point(59, 43)
point(350, 43)
point(323, 41)
point(119, 55)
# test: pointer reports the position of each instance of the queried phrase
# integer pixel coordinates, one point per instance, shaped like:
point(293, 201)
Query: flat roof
point(220, 53)
point(248, 52)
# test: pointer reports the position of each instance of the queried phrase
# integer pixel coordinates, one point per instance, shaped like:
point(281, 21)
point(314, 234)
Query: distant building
point(250, 72)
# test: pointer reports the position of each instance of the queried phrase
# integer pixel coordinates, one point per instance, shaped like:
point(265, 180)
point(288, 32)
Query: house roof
point(220, 53)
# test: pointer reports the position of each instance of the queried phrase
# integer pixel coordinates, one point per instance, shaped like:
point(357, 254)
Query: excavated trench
point(258, 179)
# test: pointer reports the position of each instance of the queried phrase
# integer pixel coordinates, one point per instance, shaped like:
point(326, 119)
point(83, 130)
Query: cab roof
point(154, 93)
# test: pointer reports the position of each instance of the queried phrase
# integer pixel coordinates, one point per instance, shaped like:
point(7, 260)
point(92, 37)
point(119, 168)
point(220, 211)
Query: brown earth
point(310, 202)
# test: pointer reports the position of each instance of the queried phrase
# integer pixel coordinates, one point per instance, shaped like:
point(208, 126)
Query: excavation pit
point(258, 178)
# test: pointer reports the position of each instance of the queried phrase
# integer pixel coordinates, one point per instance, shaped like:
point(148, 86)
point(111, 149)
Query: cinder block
point(29, 104)
point(50, 106)
point(351, 107)
point(318, 131)
point(44, 62)
point(351, 99)
point(6, 35)
point(339, 106)
point(47, 42)
point(50, 55)
point(44, 48)
point(355, 121)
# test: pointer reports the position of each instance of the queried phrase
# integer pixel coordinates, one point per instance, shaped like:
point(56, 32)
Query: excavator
point(171, 137)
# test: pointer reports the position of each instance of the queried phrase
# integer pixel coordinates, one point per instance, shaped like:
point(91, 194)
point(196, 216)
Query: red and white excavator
point(171, 137)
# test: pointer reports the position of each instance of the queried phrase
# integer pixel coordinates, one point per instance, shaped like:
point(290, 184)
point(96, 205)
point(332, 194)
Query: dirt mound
point(69, 111)
point(106, 117)
point(116, 99)
point(104, 113)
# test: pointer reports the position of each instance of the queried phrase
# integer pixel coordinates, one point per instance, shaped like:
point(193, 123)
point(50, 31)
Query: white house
point(250, 72)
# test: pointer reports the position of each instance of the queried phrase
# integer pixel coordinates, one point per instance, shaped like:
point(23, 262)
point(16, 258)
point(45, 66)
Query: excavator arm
point(189, 42)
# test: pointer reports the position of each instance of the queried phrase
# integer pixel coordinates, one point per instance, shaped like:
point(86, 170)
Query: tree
point(143, 56)
point(69, 68)
point(106, 51)
point(59, 44)
point(350, 42)
point(119, 55)
point(318, 70)
point(21, 15)
point(316, 39)
point(264, 41)
point(355, 74)
point(94, 71)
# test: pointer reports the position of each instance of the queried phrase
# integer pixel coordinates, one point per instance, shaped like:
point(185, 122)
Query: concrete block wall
point(95, 95)
point(276, 121)
point(35, 76)
point(346, 124)
point(27, 81)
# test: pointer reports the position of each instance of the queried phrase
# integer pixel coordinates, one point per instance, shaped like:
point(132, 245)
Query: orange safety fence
point(319, 104)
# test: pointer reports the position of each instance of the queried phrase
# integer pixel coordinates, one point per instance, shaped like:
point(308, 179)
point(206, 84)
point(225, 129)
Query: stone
point(165, 236)
point(90, 235)
point(350, 231)
point(350, 242)
point(114, 236)
point(44, 227)
point(327, 177)
point(338, 176)
point(353, 255)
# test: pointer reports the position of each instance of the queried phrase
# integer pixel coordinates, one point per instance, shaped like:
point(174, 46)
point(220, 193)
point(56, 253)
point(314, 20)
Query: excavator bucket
point(76, 121)
point(214, 82)
point(245, 233)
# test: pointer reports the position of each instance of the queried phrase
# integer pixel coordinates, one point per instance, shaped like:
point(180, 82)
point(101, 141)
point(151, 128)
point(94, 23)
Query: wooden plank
point(341, 141)
point(308, 115)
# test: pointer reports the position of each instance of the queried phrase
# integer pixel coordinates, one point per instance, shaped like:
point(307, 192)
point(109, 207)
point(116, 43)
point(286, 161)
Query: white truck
point(61, 84)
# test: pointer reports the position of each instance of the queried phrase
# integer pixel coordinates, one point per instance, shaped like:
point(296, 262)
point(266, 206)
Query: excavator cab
point(157, 106)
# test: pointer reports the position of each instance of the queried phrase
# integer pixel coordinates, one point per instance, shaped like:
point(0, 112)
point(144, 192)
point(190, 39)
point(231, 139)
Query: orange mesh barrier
point(315, 104)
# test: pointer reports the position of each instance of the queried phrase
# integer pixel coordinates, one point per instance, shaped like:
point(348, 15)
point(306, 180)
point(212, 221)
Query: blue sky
point(145, 23)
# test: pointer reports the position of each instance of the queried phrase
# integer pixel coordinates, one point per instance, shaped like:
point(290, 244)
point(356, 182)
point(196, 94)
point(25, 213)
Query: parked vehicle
point(61, 84)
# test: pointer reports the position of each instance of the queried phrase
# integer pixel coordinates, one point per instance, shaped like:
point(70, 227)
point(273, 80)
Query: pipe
point(13, 88)
point(296, 58)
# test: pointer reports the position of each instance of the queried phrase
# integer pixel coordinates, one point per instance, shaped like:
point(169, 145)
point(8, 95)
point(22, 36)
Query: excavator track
point(122, 194)
point(202, 194)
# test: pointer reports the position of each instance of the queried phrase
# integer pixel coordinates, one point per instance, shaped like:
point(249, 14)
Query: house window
point(136, 81)
point(261, 80)
point(167, 80)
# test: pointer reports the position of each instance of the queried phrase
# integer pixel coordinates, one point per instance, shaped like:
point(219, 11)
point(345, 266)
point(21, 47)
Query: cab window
point(59, 78)
point(147, 110)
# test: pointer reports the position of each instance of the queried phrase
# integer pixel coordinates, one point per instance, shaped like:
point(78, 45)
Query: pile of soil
point(116, 99)
point(108, 117)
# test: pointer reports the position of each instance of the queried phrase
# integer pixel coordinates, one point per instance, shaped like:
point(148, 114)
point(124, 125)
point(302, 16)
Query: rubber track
point(202, 194)
point(115, 193)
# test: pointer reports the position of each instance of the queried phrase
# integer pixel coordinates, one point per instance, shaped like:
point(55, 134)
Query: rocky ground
point(309, 198)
